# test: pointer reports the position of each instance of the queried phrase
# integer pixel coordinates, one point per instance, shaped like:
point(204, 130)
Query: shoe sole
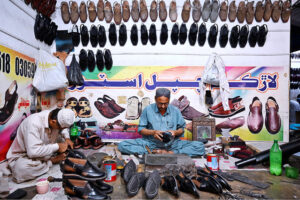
point(77, 176)
point(230, 115)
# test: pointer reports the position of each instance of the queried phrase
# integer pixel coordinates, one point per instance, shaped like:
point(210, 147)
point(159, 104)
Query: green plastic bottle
point(275, 159)
point(74, 132)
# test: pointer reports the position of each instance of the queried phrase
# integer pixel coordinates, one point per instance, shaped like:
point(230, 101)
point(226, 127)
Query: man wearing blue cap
point(161, 126)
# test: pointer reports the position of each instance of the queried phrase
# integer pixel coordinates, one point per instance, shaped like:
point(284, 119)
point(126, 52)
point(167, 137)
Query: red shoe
point(105, 109)
point(230, 100)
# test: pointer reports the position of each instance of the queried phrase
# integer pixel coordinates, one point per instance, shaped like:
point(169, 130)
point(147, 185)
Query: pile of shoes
point(44, 29)
point(46, 7)
point(187, 111)
point(108, 107)
point(82, 179)
point(235, 106)
point(135, 180)
point(87, 60)
point(88, 139)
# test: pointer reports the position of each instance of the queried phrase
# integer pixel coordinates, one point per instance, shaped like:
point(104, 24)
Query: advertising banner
point(112, 101)
point(16, 73)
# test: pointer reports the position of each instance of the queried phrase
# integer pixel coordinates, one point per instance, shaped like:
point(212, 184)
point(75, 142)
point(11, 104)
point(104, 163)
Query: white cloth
point(30, 152)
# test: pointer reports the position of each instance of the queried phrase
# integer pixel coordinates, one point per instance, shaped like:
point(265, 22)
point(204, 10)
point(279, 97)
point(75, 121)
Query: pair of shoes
point(81, 107)
point(11, 98)
point(88, 140)
point(210, 10)
point(235, 106)
point(255, 117)
point(108, 107)
point(135, 107)
point(258, 35)
point(187, 111)
point(87, 60)
point(44, 29)
point(245, 11)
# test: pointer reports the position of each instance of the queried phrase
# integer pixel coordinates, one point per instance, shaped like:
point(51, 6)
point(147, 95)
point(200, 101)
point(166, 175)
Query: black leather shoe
point(182, 33)
point(101, 36)
point(100, 60)
point(74, 168)
point(91, 61)
point(169, 184)
point(193, 34)
point(208, 183)
point(212, 35)
point(134, 35)
point(175, 34)
point(187, 185)
point(122, 35)
point(94, 35)
point(112, 34)
point(128, 171)
point(152, 184)
point(83, 59)
point(76, 154)
point(234, 36)
point(83, 189)
point(202, 34)
point(136, 181)
point(84, 34)
point(144, 34)
point(164, 34)
point(152, 35)
point(11, 98)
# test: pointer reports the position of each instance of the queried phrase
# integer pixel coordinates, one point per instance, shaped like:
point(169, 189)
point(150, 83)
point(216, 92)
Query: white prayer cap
point(65, 118)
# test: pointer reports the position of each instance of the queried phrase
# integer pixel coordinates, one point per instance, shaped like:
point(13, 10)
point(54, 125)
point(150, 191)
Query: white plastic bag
point(50, 73)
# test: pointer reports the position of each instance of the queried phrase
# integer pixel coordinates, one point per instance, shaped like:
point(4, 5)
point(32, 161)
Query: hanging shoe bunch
point(211, 10)
point(44, 29)
point(88, 60)
point(46, 7)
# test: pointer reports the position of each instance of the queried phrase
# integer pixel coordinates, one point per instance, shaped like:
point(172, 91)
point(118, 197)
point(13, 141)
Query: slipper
point(223, 10)
point(214, 11)
point(152, 34)
point(223, 39)
point(202, 34)
point(135, 13)
point(134, 35)
point(276, 12)
point(268, 10)
point(144, 34)
point(232, 11)
point(94, 35)
point(125, 11)
point(100, 10)
point(104, 109)
point(108, 13)
point(164, 34)
point(206, 10)
point(108, 61)
point(186, 9)
point(83, 60)
point(234, 36)
point(182, 33)
point(262, 34)
point(92, 11)
point(112, 103)
point(82, 12)
point(132, 111)
point(117, 13)
point(84, 110)
point(84, 33)
point(143, 10)
point(101, 36)
point(259, 11)
point(112, 34)
point(146, 101)
point(196, 12)
point(286, 11)
point(75, 35)
point(250, 12)
point(212, 36)
point(153, 10)
point(173, 11)
point(72, 104)
point(244, 35)
point(74, 12)
point(91, 61)
point(181, 103)
point(100, 60)
point(175, 34)
point(122, 35)
point(253, 36)
point(65, 14)
point(193, 34)
point(162, 11)
point(241, 12)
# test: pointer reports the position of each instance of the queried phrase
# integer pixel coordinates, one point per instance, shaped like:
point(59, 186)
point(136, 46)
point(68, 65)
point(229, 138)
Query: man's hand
point(62, 147)
point(173, 132)
point(58, 158)
point(158, 135)
point(70, 143)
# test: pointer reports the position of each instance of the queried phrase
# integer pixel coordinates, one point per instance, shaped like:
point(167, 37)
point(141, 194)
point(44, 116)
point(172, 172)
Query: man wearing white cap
point(31, 153)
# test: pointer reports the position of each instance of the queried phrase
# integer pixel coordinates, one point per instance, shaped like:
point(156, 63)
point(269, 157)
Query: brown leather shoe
point(82, 12)
point(143, 10)
point(125, 11)
point(74, 12)
point(92, 11)
point(153, 10)
point(223, 10)
point(250, 12)
point(231, 123)
point(268, 10)
point(108, 13)
point(173, 11)
point(241, 12)
point(259, 11)
point(196, 12)
point(163, 13)
point(255, 119)
point(135, 13)
point(286, 11)
point(276, 12)
point(65, 14)
point(232, 12)
point(117, 13)
point(273, 121)
point(186, 9)
point(100, 10)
